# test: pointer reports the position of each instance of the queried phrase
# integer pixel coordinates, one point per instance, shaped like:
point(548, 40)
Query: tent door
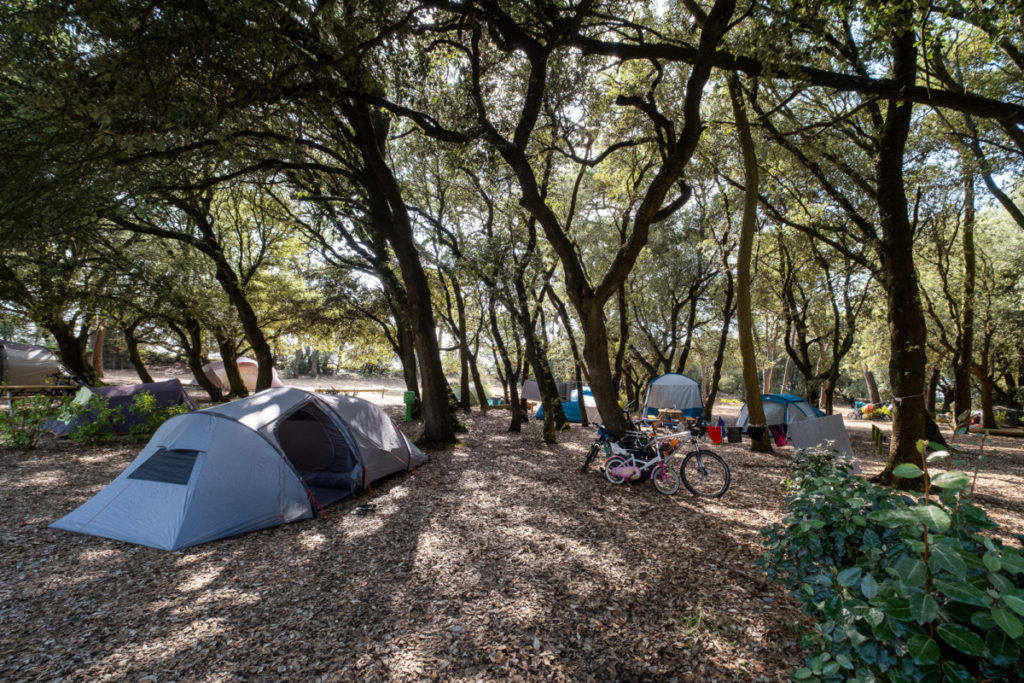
point(319, 452)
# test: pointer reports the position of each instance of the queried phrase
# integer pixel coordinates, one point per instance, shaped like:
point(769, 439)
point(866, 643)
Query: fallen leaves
point(497, 561)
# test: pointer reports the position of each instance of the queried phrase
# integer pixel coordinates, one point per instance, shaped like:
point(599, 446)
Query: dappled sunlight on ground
point(498, 560)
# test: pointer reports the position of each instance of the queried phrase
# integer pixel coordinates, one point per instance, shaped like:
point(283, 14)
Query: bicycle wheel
point(610, 464)
point(665, 480)
point(705, 474)
point(591, 454)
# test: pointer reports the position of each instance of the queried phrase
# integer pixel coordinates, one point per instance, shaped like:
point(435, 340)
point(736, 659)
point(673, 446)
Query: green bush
point(22, 427)
point(96, 420)
point(903, 589)
point(144, 406)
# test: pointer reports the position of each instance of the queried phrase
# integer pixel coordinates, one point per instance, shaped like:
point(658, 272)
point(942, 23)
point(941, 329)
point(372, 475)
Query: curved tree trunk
point(132, 342)
point(745, 321)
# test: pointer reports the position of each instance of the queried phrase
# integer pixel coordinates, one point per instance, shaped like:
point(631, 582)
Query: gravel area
point(498, 560)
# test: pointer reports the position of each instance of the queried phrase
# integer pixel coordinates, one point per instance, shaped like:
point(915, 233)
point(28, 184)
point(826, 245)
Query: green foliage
point(902, 589)
point(95, 420)
point(145, 407)
point(22, 427)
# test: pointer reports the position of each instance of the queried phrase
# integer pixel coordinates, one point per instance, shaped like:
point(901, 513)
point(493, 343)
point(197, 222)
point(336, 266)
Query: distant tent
point(675, 392)
point(247, 368)
point(168, 393)
point(27, 364)
point(474, 400)
point(571, 407)
point(781, 409)
point(531, 390)
point(258, 462)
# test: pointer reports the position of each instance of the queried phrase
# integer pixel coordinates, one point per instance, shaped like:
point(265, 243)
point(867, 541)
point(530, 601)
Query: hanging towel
point(716, 434)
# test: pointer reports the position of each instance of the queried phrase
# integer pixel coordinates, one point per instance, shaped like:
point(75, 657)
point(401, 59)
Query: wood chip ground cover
point(497, 561)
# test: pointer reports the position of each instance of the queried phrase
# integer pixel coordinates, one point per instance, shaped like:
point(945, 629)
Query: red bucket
point(716, 434)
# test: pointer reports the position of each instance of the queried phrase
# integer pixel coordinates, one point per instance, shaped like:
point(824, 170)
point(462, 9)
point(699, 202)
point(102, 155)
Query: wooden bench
point(353, 391)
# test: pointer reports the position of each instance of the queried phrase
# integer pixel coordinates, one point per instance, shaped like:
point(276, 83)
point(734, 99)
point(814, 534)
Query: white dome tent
point(675, 392)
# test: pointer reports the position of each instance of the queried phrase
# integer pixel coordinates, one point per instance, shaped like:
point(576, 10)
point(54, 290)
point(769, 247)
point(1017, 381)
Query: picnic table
point(353, 391)
point(14, 392)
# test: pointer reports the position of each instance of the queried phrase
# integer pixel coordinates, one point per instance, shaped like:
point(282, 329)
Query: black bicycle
point(704, 472)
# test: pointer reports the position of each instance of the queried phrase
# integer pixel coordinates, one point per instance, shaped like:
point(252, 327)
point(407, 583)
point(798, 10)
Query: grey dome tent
point(26, 364)
point(674, 391)
point(781, 409)
point(257, 462)
point(167, 393)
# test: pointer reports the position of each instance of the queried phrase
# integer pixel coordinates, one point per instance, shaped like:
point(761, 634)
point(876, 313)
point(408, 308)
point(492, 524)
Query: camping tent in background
point(676, 392)
point(571, 407)
point(250, 464)
point(247, 367)
point(27, 364)
point(531, 390)
point(167, 394)
point(827, 431)
point(781, 409)
point(474, 400)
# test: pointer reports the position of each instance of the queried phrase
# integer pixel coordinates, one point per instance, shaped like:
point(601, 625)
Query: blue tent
point(781, 409)
point(257, 462)
point(571, 408)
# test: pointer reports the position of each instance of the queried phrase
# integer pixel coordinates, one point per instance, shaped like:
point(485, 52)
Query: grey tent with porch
point(258, 462)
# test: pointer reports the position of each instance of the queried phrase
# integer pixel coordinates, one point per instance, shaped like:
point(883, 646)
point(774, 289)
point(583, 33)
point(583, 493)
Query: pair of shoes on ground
point(365, 508)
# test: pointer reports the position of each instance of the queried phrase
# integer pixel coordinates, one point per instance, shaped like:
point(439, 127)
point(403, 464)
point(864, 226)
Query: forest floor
point(498, 560)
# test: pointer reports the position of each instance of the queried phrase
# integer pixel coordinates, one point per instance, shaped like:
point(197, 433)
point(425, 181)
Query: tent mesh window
point(167, 466)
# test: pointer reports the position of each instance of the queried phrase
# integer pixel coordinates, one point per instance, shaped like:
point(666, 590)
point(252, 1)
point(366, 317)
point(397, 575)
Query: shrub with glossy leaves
point(902, 589)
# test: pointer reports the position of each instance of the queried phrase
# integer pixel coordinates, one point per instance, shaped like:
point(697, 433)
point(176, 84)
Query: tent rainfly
point(257, 462)
point(781, 409)
point(571, 407)
point(168, 393)
point(247, 368)
point(26, 364)
point(674, 391)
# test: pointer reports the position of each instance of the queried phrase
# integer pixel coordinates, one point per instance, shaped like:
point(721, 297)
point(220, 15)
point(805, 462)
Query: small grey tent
point(674, 391)
point(261, 461)
point(781, 409)
point(167, 393)
point(27, 364)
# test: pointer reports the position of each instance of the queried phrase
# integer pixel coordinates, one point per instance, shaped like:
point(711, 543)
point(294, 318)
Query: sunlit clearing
point(200, 579)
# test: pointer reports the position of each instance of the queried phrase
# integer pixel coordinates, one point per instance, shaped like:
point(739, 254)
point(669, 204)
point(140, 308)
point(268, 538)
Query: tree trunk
point(191, 336)
point(723, 338)
point(98, 338)
point(907, 328)
point(962, 355)
point(132, 342)
point(71, 348)
point(370, 129)
point(236, 385)
point(785, 375)
point(314, 364)
point(869, 379)
point(515, 425)
point(748, 225)
point(988, 415)
point(933, 389)
point(465, 395)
